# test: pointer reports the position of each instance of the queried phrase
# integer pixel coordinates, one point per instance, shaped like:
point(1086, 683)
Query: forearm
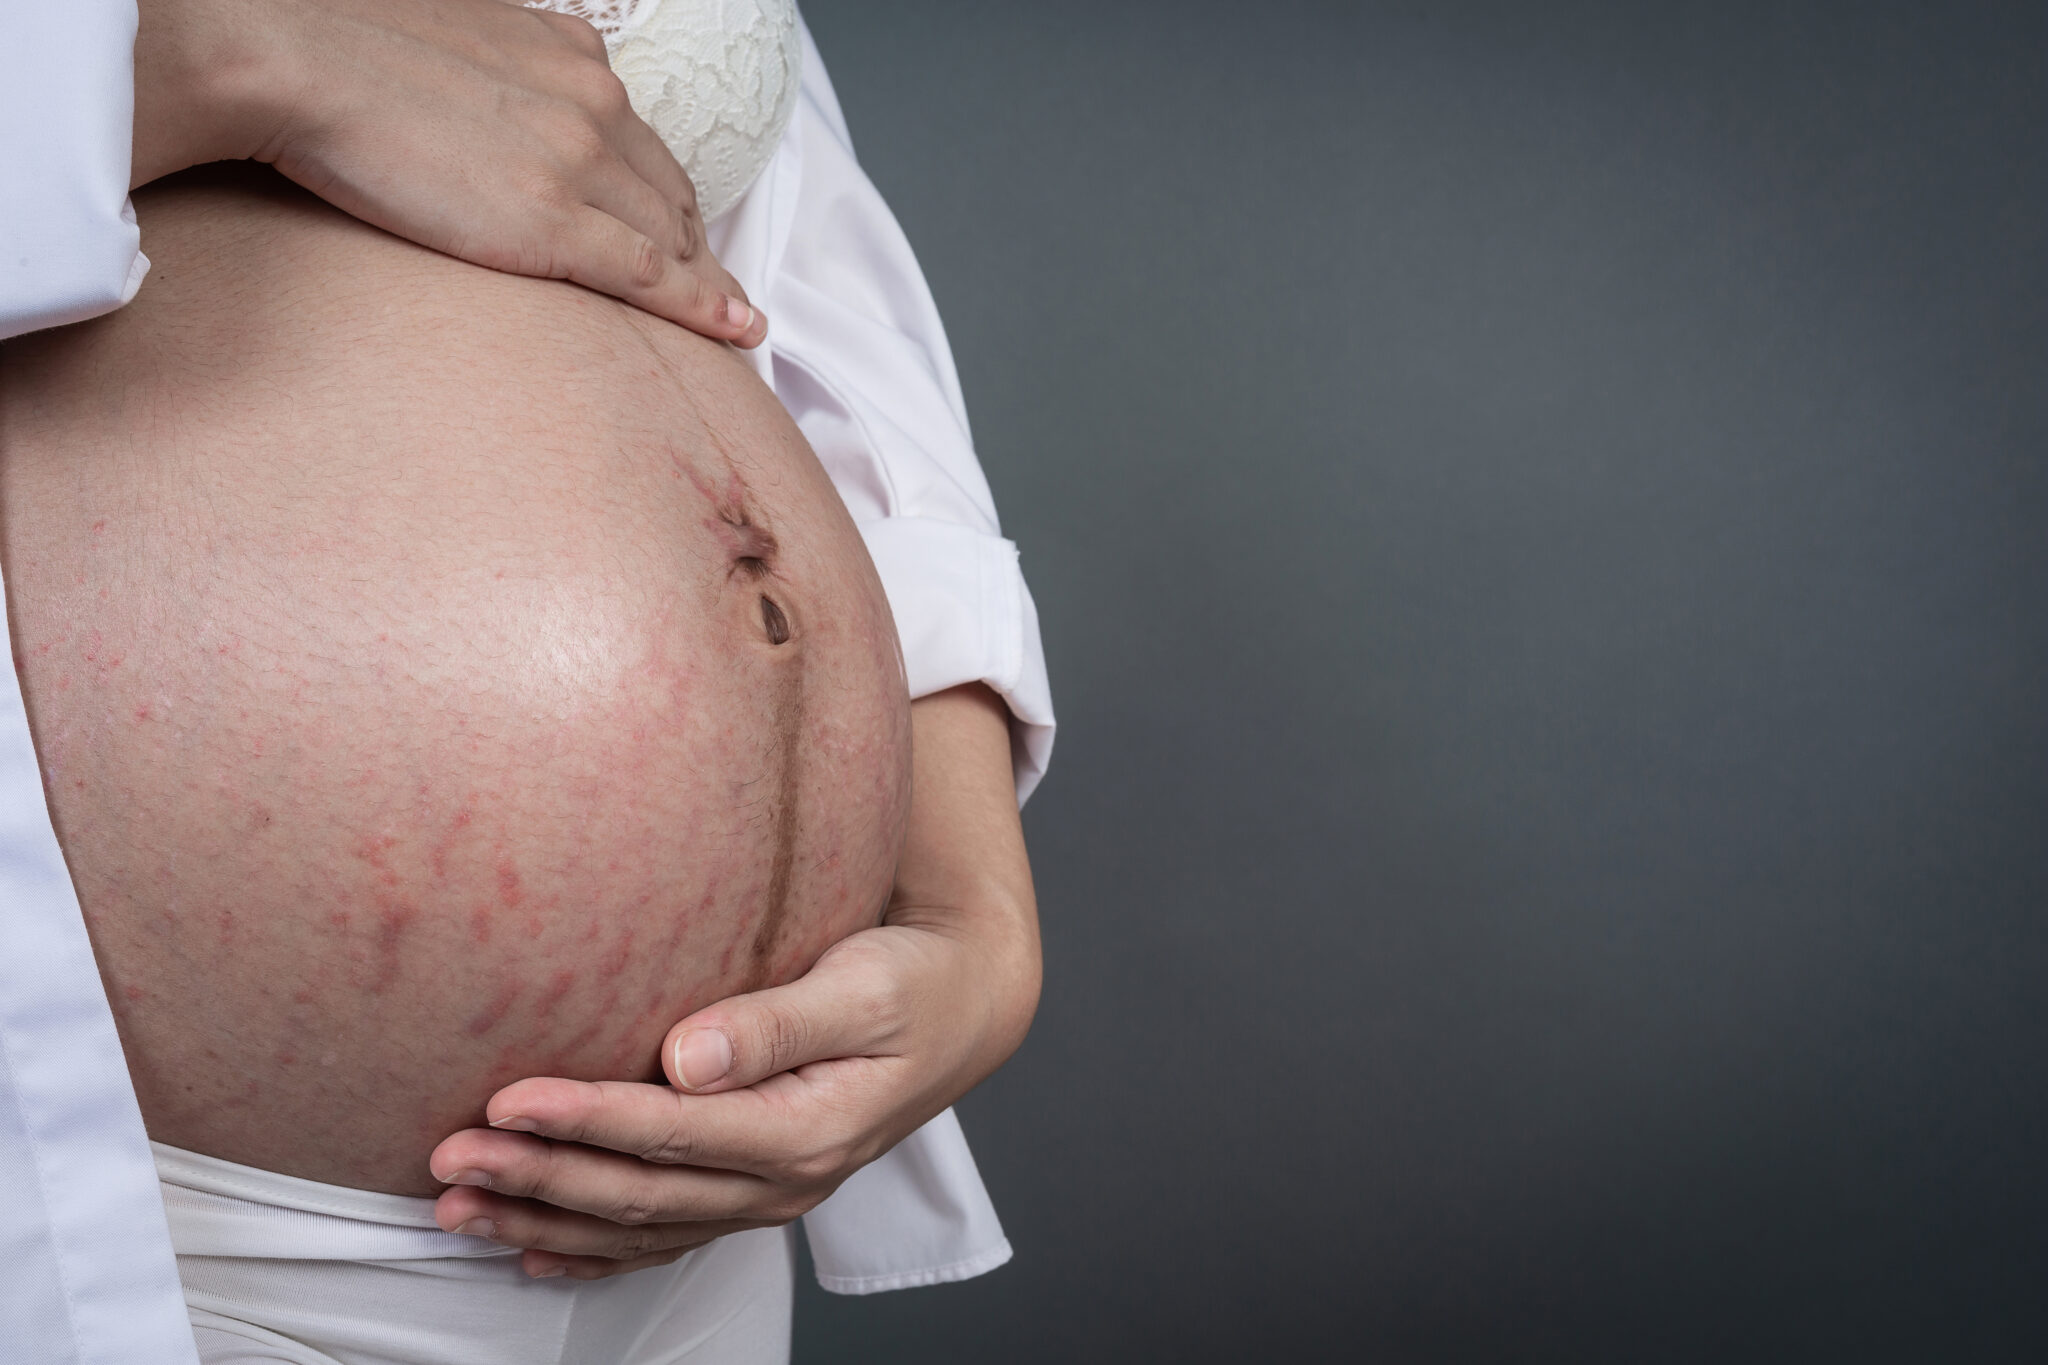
point(964, 872)
point(208, 86)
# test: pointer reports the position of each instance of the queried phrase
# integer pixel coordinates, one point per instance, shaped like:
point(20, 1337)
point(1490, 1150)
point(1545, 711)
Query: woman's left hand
point(782, 1094)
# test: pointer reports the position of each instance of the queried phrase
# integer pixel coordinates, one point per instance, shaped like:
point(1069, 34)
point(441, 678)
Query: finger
point(577, 32)
point(623, 166)
point(847, 1005)
point(641, 148)
point(677, 222)
point(608, 1184)
point(539, 1227)
point(793, 1128)
point(600, 252)
point(663, 207)
point(633, 201)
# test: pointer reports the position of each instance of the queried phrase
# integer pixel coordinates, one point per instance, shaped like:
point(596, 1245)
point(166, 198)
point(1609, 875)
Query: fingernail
point(738, 314)
point(519, 1123)
point(478, 1227)
point(550, 1272)
point(467, 1177)
point(702, 1055)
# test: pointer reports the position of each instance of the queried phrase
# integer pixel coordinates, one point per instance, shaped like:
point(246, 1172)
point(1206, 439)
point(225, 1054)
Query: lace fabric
point(717, 79)
point(606, 16)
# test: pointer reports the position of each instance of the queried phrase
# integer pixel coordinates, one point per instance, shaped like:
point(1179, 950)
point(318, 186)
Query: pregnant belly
point(439, 677)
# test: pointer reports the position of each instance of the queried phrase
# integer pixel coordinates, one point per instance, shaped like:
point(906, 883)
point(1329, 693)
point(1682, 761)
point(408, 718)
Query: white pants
point(282, 1271)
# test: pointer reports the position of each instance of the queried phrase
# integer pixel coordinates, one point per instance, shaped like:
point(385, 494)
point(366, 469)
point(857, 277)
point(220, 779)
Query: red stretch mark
point(488, 1018)
point(617, 960)
point(599, 1022)
point(375, 850)
point(679, 928)
point(662, 1006)
point(439, 856)
point(392, 922)
point(393, 919)
point(558, 988)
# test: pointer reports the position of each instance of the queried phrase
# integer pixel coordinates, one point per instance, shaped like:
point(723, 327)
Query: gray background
point(1538, 513)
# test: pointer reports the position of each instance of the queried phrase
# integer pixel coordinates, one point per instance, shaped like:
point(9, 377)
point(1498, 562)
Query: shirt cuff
point(918, 1216)
point(964, 615)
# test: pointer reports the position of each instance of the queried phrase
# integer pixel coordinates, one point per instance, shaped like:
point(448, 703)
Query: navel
point(774, 622)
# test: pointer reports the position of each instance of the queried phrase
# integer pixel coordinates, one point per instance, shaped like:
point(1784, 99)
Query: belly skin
point(439, 677)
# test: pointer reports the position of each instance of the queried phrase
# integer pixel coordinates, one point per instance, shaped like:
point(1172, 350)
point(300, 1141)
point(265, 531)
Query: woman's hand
point(782, 1094)
point(475, 127)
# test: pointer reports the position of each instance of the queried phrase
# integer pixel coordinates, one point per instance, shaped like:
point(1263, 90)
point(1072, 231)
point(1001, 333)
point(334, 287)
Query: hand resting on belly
point(440, 677)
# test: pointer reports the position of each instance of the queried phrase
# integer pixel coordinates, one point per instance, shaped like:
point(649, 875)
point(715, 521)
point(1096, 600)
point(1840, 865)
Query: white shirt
point(856, 353)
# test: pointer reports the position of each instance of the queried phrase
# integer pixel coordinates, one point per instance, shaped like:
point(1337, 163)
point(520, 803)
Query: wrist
point(988, 958)
point(213, 82)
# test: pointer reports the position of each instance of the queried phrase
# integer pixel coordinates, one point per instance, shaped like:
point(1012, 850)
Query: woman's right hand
point(475, 127)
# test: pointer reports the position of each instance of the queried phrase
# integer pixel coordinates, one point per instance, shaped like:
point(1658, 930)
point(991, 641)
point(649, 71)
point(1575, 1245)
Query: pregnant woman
point(443, 676)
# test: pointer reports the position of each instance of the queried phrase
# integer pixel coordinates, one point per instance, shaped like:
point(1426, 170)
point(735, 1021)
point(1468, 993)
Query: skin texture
point(441, 677)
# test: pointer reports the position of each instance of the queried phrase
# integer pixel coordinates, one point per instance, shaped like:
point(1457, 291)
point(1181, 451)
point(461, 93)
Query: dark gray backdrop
point(1539, 517)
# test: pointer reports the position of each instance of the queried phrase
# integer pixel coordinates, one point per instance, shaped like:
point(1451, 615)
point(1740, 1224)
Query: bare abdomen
point(439, 678)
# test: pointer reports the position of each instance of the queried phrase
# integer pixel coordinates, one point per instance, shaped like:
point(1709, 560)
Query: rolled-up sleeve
point(69, 248)
point(860, 359)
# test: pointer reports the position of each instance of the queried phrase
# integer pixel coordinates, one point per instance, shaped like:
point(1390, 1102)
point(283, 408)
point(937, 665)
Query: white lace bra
point(716, 78)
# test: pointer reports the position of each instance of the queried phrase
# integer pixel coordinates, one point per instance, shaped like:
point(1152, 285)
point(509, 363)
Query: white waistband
point(219, 1208)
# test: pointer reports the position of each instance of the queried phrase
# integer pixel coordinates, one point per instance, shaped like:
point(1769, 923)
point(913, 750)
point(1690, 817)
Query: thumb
point(836, 1010)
